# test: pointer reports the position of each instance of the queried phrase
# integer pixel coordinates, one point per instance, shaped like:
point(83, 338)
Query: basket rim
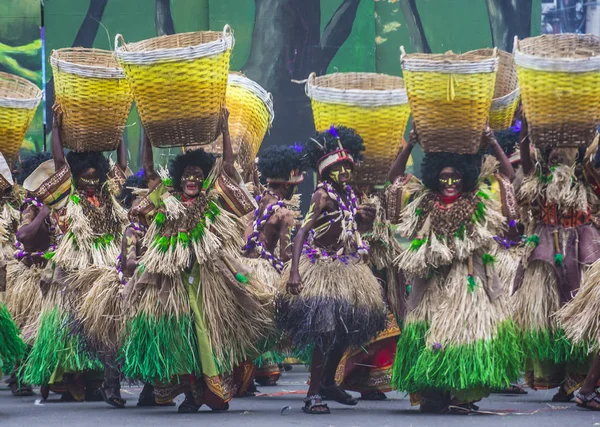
point(505, 100)
point(85, 70)
point(224, 43)
point(558, 64)
point(27, 103)
point(237, 79)
point(450, 62)
point(356, 97)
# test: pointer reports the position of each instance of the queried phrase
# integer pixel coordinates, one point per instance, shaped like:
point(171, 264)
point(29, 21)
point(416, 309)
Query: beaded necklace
point(253, 243)
point(353, 246)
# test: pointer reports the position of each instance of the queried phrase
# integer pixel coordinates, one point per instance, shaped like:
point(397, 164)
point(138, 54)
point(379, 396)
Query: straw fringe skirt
point(24, 297)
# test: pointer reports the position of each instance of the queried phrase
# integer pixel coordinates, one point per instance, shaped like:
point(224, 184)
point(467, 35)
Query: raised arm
point(317, 203)
point(122, 155)
point(58, 153)
point(228, 162)
point(524, 147)
point(506, 168)
point(399, 166)
point(152, 178)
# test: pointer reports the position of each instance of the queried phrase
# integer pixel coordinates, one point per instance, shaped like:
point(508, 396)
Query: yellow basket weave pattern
point(250, 117)
point(506, 92)
point(179, 84)
point(19, 99)
point(559, 77)
point(91, 91)
point(374, 105)
point(450, 97)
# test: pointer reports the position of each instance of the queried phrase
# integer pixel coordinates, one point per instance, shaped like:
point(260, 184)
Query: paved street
point(532, 410)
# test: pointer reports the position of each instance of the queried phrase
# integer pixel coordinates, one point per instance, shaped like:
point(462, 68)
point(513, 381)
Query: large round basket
point(250, 117)
point(19, 99)
point(506, 93)
point(179, 84)
point(450, 96)
point(374, 105)
point(559, 76)
point(94, 97)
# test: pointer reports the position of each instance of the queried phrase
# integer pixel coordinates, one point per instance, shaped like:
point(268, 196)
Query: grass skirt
point(535, 304)
point(339, 302)
point(12, 348)
point(457, 339)
point(24, 297)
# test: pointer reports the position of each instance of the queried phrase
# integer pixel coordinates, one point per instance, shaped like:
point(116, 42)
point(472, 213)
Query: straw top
point(559, 52)
point(174, 47)
point(6, 178)
point(238, 79)
point(360, 89)
point(85, 62)
point(450, 62)
point(17, 92)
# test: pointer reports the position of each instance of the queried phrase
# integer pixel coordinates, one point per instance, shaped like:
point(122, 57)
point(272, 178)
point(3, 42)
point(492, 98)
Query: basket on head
point(250, 117)
point(450, 96)
point(179, 83)
point(507, 93)
point(19, 99)
point(559, 76)
point(94, 97)
point(374, 105)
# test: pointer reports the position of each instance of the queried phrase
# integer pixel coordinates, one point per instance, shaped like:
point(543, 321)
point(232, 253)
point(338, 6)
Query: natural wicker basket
point(94, 97)
point(374, 105)
point(450, 96)
point(179, 84)
point(559, 76)
point(506, 93)
point(19, 99)
point(250, 117)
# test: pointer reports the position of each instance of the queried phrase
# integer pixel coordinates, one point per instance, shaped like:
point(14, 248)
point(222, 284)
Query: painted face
point(341, 173)
point(88, 181)
point(451, 182)
point(191, 181)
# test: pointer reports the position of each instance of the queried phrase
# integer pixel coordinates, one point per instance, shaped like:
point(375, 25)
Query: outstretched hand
point(294, 284)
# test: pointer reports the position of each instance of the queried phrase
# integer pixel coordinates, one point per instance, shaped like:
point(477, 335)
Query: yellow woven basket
point(374, 105)
point(91, 91)
point(19, 99)
point(250, 117)
point(506, 93)
point(559, 76)
point(450, 96)
point(179, 84)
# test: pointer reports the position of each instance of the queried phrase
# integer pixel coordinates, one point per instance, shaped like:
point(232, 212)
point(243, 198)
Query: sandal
point(335, 393)
point(113, 400)
point(373, 395)
point(562, 396)
point(188, 407)
point(583, 401)
point(313, 402)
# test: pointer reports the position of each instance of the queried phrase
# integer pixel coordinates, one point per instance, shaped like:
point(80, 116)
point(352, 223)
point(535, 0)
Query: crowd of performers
point(198, 279)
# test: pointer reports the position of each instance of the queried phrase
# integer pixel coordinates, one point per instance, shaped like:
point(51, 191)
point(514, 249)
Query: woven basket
point(91, 90)
point(250, 117)
point(450, 96)
point(179, 84)
point(559, 75)
point(506, 93)
point(374, 105)
point(19, 99)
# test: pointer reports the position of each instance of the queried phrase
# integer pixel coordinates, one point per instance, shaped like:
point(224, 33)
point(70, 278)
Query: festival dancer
point(458, 339)
point(194, 315)
point(332, 300)
point(91, 224)
point(562, 198)
point(270, 229)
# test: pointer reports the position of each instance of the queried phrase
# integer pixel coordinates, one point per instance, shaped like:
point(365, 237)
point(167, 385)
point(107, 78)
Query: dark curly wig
point(79, 162)
point(197, 157)
point(126, 197)
point(350, 140)
point(469, 166)
point(277, 161)
point(31, 163)
point(507, 139)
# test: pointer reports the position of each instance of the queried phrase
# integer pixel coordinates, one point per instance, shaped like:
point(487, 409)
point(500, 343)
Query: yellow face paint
point(335, 176)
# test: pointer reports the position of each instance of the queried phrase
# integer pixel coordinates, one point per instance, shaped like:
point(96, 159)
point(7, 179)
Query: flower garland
point(253, 243)
point(21, 253)
point(350, 235)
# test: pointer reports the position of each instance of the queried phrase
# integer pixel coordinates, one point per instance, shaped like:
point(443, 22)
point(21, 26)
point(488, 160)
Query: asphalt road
point(532, 410)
